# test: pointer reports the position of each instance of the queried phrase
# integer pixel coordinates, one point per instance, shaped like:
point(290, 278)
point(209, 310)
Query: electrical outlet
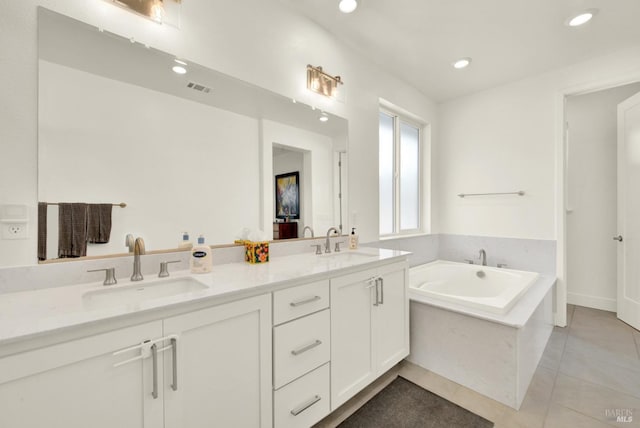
point(15, 231)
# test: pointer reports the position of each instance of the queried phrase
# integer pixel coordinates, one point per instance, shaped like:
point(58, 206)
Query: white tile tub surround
point(494, 355)
point(535, 255)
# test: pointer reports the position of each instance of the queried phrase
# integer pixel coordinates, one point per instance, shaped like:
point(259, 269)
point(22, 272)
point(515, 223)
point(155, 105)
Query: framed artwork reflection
point(288, 195)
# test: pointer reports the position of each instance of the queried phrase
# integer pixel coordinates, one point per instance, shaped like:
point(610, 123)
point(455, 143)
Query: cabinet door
point(75, 384)
point(222, 367)
point(391, 322)
point(352, 363)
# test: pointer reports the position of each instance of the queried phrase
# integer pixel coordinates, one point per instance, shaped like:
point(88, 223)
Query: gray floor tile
point(603, 366)
point(535, 405)
point(561, 417)
point(570, 310)
point(555, 348)
point(593, 400)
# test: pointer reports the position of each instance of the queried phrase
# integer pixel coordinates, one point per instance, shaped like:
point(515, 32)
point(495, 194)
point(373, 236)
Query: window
point(400, 175)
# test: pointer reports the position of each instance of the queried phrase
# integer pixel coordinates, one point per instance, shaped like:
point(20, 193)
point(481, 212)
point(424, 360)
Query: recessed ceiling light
point(178, 69)
point(348, 6)
point(461, 63)
point(180, 61)
point(581, 19)
point(323, 118)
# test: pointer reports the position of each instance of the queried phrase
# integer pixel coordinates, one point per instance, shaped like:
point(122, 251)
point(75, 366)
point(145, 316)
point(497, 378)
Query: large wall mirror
point(195, 152)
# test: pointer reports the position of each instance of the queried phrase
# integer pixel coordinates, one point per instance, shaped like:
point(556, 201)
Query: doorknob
point(618, 238)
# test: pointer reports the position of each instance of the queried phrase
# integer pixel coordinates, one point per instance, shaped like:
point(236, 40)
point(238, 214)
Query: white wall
point(505, 139)
point(259, 41)
point(84, 158)
point(592, 197)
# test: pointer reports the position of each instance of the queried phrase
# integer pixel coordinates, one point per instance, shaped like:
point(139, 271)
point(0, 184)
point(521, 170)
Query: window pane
point(386, 174)
point(409, 176)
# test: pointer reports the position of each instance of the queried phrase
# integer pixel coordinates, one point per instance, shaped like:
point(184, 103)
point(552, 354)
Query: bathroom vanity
point(280, 344)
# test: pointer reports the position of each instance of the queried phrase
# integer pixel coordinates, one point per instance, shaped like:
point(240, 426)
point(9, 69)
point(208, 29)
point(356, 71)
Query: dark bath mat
point(403, 404)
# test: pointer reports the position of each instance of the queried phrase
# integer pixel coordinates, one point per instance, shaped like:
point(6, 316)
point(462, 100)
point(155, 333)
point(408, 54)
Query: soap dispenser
point(353, 239)
point(186, 243)
point(201, 260)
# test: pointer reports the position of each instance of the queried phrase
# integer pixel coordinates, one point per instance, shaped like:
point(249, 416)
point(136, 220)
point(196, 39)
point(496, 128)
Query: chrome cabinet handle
point(381, 290)
point(306, 348)
point(373, 282)
point(618, 238)
point(305, 406)
point(154, 358)
point(174, 352)
point(304, 301)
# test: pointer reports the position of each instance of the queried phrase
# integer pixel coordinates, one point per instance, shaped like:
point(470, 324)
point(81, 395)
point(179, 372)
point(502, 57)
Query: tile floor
point(589, 369)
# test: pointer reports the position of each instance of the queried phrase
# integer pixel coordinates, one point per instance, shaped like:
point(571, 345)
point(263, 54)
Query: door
point(392, 318)
point(352, 361)
point(629, 211)
point(221, 373)
point(82, 383)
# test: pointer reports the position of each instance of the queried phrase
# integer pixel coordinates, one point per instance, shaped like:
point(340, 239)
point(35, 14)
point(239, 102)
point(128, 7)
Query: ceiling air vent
point(198, 87)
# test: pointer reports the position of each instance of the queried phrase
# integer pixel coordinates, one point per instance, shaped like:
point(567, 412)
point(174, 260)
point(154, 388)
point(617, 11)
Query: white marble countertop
point(29, 314)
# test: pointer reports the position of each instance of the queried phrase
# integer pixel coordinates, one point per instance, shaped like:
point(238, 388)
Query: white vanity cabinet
point(222, 373)
point(219, 375)
point(369, 327)
point(79, 383)
point(301, 354)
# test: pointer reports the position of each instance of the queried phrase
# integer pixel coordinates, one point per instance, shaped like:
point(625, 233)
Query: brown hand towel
point(42, 230)
point(99, 223)
point(72, 230)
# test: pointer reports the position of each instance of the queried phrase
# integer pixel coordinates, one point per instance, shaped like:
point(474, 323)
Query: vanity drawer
point(304, 402)
point(300, 346)
point(296, 302)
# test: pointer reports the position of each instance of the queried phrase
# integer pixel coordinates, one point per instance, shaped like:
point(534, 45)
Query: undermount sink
point(348, 256)
point(140, 291)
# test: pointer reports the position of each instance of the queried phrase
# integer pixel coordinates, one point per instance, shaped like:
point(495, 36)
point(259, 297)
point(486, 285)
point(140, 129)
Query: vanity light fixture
point(581, 19)
point(461, 63)
point(322, 83)
point(178, 69)
point(347, 6)
point(153, 9)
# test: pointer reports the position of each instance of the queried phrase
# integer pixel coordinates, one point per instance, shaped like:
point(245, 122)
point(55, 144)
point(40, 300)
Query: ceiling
point(417, 40)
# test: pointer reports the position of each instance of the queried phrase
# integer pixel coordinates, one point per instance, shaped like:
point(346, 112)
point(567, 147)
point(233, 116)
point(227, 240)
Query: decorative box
point(256, 252)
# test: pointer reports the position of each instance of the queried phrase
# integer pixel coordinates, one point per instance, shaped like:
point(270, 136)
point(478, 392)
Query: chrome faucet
point(138, 250)
point(327, 244)
point(310, 230)
point(483, 257)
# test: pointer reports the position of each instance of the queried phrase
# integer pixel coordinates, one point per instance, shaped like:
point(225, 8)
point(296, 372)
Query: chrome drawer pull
point(154, 357)
point(174, 349)
point(305, 301)
point(306, 348)
point(305, 406)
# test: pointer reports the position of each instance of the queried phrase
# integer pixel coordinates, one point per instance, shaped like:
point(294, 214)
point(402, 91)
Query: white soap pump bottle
point(201, 260)
point(353, 239)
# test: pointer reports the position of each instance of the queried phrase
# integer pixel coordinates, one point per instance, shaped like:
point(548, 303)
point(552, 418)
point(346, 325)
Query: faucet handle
point(337, 248)
point(164, 268)
point(110, 275)
point(469, 261)
point(502, 265)
point(318, 248)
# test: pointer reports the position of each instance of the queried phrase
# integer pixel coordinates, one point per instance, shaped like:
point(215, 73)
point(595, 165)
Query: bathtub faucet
point(483, 257)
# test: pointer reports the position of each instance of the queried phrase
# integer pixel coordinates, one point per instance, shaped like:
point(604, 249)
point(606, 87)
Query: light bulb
point(348, 6)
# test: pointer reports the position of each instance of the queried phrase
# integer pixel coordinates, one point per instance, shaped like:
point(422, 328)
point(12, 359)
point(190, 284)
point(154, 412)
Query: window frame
point(397, 119)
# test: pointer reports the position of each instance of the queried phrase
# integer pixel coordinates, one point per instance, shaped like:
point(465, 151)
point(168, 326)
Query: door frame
point(562, 179)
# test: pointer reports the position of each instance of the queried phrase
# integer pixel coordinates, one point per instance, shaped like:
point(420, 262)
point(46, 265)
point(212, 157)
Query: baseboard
point(595, 302)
